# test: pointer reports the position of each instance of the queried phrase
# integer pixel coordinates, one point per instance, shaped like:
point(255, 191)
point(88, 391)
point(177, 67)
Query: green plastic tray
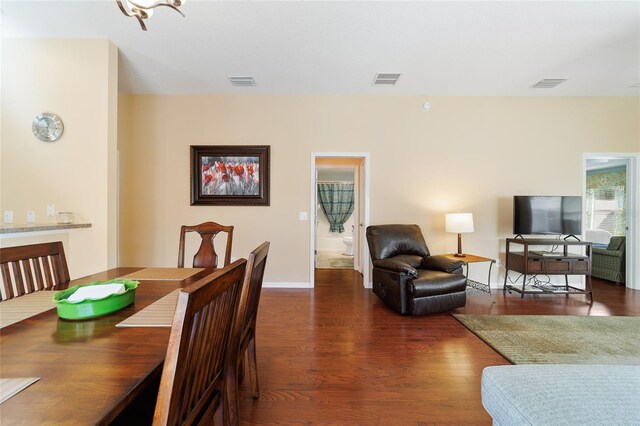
point(96, 307)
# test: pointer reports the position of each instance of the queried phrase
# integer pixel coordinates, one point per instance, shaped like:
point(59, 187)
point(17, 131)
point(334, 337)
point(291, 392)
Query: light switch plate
point(51, 210)
point(302, 215)
point(8, 216)
point(31, 216)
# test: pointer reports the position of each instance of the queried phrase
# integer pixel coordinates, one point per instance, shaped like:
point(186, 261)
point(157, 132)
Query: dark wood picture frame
point(230, 175)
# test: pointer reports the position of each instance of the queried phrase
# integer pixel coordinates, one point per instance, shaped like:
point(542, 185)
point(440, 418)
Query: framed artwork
point(230, 175)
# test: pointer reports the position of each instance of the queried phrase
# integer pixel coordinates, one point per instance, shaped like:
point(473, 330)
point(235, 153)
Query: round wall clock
point(47, 127)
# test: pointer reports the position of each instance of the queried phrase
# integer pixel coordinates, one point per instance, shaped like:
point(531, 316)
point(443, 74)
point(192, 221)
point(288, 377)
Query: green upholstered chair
point(608, 263)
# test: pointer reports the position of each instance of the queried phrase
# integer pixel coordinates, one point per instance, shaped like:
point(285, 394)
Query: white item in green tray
point(95, 292)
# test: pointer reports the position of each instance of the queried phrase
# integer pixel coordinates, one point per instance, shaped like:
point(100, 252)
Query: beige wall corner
point(79, 84)
point(112, 157)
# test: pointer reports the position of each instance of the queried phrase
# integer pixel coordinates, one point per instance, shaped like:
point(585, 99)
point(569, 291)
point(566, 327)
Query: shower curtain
point(336, 201)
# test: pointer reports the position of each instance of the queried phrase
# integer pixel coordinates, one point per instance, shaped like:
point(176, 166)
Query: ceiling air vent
point(242, 81)
point(548, 83)
point(386, 79)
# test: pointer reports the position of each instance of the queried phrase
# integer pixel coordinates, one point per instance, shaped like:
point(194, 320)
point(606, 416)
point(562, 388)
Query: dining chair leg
point(241, 362)
point(231, 416)
point(253, 367)
point(213, 414)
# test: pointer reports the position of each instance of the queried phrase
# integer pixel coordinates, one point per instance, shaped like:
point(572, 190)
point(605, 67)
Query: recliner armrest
point(395, 266)
point(441, 263)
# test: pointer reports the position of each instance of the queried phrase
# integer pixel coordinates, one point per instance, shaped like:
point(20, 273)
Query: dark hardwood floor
point(336, 355)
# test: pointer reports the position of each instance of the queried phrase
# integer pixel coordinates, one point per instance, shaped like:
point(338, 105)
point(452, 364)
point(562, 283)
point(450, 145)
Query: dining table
point(89, 371)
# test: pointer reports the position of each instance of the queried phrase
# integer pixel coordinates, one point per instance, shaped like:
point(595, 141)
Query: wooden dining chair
point(246, 327)
point(35, 267)
point(206, 255)
point(193, 381)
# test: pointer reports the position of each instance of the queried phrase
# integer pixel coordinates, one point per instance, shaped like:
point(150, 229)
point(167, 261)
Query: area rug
point(559, 339)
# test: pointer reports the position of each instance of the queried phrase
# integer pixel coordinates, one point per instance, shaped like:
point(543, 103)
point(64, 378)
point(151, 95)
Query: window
point(606, 209)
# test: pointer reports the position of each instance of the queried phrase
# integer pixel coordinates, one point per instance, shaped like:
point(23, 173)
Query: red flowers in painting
point(230, 176)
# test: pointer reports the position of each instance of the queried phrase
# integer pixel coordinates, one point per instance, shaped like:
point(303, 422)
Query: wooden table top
point(469, 258)
point(90, 370)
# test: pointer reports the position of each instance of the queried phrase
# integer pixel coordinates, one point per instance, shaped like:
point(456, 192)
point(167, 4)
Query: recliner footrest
point(433, 283)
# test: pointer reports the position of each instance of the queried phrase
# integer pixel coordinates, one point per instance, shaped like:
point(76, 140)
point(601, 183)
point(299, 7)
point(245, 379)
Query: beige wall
point(467, 153)
point(77, 80)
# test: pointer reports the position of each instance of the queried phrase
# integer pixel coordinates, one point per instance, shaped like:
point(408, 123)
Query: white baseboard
point(285, 285)
point(292, 285)
point(280, 284)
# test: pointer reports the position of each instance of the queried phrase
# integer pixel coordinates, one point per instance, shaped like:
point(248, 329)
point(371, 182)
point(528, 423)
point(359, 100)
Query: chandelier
point(143, 9)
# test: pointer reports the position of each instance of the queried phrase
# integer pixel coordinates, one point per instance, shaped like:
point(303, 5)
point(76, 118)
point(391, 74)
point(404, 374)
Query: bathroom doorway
point(336, 211)
point(339, 213)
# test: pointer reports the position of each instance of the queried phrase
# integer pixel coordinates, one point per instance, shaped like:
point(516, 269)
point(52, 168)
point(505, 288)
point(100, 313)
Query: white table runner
point(10, 387)
point(23, 307)
point(158, 314)
point(169, 274)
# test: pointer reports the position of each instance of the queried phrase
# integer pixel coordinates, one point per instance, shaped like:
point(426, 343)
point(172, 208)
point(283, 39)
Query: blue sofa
point(562, 394)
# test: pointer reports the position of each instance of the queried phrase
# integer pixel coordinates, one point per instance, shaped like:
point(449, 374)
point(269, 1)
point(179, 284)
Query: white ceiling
point(477, 48)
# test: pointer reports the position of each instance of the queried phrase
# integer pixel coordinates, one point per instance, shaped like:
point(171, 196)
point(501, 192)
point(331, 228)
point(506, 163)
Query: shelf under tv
point(557, 289)
point(530, 263)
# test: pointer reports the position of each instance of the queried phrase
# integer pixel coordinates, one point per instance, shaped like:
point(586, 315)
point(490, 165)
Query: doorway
point(336, 212)
point(338, 237)
point(611, 197)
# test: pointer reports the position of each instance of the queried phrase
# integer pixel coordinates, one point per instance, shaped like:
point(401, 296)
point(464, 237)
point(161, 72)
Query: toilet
point(348, 242)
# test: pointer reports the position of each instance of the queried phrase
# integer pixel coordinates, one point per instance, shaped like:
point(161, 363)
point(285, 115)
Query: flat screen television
point(547, 215)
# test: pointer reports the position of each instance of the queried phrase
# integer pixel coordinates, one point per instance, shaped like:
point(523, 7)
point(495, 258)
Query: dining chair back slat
point(192, 386)
point(7, 288)
point(38, 272)
point(245, 334)
point(17, 278)
point(206, 255)
point(29, 281)
point(30, 268)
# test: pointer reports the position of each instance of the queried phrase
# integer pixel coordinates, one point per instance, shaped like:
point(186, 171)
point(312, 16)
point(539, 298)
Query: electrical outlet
point(51, 210)
point(302, 215)
point(8, 216)
point(31, 216)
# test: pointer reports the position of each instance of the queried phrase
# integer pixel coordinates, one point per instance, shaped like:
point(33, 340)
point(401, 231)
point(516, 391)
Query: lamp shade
point(459, 223)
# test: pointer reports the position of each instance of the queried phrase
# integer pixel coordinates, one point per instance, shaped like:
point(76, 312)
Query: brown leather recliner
point(407, 278)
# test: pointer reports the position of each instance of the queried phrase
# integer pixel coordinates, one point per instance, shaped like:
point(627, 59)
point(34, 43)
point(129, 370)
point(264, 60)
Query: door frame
point(362, 222)
point(633, 209)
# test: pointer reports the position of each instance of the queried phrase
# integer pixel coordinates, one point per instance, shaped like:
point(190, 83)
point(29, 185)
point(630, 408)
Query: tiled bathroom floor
point(333, 259)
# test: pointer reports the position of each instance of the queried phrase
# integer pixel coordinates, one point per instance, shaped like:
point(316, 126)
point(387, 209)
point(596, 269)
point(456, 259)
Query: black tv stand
point(571, 236)
point(530, 263)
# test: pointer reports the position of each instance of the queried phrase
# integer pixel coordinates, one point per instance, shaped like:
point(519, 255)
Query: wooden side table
point(472, 258)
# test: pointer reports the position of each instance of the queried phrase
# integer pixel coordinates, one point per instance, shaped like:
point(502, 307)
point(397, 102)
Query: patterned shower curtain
point(336, 201)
